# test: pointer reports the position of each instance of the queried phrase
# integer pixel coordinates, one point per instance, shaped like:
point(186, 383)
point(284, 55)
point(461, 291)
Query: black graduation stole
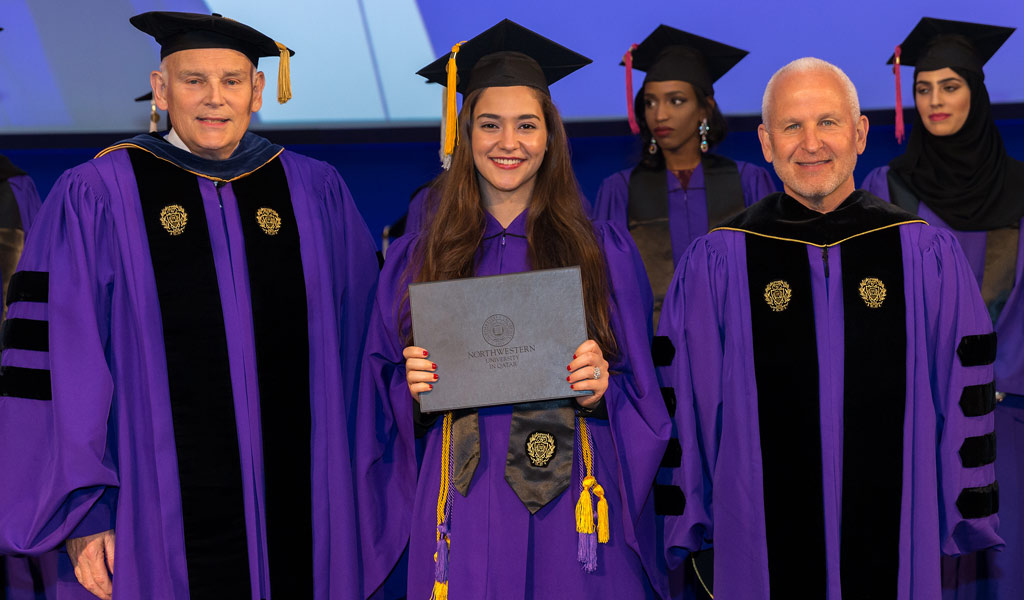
point(199, 377)
point(648, 214)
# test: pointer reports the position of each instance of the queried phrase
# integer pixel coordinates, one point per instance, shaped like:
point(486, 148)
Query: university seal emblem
point(498, 330)
point(872, 291)
point(540, 447)
point(777, 294)
point(269, 220)
point(174, 218)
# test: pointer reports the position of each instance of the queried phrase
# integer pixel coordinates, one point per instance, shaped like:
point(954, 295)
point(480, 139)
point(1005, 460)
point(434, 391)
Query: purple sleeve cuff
point(100, 517)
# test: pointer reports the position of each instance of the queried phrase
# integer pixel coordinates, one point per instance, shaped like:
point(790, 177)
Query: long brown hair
point(558, 232)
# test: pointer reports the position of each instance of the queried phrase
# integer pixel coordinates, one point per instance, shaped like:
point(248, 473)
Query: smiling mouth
point(212, 120)
point(508, 163)
point(816, 163)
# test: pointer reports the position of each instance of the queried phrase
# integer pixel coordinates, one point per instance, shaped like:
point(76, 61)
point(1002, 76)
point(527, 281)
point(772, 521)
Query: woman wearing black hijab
point(956, 174)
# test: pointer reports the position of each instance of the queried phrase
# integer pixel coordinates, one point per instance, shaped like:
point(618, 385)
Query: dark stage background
point(383, 167)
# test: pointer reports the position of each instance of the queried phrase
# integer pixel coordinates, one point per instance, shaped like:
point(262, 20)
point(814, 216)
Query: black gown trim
point(199, 382)
point(978, 400)
point(277, 287)
point(874, 405)
point(668, 500)
point(22, 382)
point(978, 451)
point(780, 217)
point(663, 351)
point(978, 502)
point(25, 334)
point(29, 286)
point(977, 350)
point(788, 406)
point(668, 394)
point(673, 456)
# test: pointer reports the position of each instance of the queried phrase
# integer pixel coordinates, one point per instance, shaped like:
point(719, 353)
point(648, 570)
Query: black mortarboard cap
point(505, 55)
point(147, 97)
point(176, 31)
point(938, 43)
point(670, 54)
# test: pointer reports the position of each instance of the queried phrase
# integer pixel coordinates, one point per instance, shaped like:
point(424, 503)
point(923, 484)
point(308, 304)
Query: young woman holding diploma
point(491, 516)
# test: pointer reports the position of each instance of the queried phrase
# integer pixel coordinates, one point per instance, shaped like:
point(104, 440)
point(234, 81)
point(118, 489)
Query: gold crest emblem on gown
point(269, 220)
point(777, 294)
point(540, 447)
point(174, 218)
point(872, 291)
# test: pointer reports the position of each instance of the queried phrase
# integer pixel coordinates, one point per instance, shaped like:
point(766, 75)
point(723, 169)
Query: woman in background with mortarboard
point(679, 190)
point(956, 174)
point(485, 521)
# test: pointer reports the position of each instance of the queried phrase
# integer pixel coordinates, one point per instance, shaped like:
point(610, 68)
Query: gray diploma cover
point(502, 339)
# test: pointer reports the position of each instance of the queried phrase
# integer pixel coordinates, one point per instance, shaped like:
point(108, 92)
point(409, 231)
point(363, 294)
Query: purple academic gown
point(419, 209)
point(997, 575)
point(23, 575)
point(708, 316)
point(101, 454)
point(687, 208)
point(498, 550)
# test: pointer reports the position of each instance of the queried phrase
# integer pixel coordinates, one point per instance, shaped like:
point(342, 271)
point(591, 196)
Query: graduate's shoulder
point(399, 253)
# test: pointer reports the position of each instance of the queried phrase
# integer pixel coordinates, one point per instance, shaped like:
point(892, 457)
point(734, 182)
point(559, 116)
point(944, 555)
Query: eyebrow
point(941, 81)
point(186, 74)
point(498, 117)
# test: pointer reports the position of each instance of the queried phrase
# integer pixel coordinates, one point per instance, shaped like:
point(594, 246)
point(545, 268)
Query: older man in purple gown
point(833, 370)
point(192, 309)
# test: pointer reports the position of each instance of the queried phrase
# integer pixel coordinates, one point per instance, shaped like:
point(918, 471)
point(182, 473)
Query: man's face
point(209, 95)
point(812, 138)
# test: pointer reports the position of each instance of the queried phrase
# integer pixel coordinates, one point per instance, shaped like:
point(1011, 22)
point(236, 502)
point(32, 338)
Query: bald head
point(806, 65)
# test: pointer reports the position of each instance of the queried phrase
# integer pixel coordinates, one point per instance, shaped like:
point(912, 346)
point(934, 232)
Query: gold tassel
point(603, 532)
point(585, 508)
point(284, 75)
point(450, 118)
point(440, 591)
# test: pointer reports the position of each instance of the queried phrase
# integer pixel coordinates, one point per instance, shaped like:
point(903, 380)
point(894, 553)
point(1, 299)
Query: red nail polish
point(568, 368)
point(572, 386)
point(574, 356)
point(433, 366)
point(430, 386)
point(567, 378)
point(425, 353)
point(435, 376)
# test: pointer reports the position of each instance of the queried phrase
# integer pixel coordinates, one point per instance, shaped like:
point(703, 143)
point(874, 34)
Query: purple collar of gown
point(782, 217)
point(252, 153)
point(493, 228)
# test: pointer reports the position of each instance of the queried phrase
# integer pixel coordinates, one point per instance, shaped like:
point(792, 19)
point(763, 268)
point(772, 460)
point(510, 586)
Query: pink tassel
point(628, 60)
point(900, 131)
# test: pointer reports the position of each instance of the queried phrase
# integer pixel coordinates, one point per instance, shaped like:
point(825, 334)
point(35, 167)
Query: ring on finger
point(597, 372)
